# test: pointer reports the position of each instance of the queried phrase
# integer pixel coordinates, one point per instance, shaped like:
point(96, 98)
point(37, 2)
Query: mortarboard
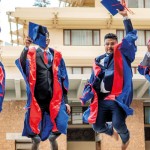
point(112, 6)
point(37, 33)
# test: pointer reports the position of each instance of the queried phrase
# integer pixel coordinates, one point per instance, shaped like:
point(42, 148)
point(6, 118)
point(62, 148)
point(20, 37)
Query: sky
point(10, 5)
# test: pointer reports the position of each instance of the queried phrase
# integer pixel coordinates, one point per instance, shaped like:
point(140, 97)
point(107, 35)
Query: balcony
point(79, 61)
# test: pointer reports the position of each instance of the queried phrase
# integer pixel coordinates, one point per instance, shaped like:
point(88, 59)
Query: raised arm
point(23, 55)
point(128, 47)
point(127, 22)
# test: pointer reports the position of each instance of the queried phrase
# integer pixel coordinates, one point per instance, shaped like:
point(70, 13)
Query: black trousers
point(52, 137)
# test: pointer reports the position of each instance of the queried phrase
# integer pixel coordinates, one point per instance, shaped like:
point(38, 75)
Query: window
point(147, 115)
point(147, 121)
point(69, 70)
point(147, 4)
point(80, 134)
point(120, 34)
point(76, 115)
point(23, 144)
point(138, 3)
point(147, 35)
point(79, 70)
point(143, 37)
point(67, 37)
point(76, 70)
point(87, 70)
point(81, 37)
point(96, 38)
point(135, 3)
point(147, 133)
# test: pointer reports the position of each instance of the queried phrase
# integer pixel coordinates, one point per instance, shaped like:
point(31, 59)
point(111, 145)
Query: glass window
point(76, 70)
point(147, 115)
point(132, 3)
point(120, 35)
point(141, 38)
point(147, 3)
point(69, 70)
point(82, 37)
point(135, 3)
point(140, 3)
point(23, 144)
point(147, 133)
point(67, 37)
point(147, 35)
point(77, 115)
point(87, 70)
point(96, 38)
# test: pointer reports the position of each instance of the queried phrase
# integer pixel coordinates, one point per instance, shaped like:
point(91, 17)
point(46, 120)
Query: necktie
point(49, 58)
point(45, 57)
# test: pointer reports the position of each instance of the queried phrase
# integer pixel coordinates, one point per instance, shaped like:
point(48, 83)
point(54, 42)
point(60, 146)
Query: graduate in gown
point(46, 79)
point(110, 86)
point(2, 82)
point(144, 67)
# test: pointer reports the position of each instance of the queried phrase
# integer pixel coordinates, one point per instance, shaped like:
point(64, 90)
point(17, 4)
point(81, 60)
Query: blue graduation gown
point(122, 88)
point(36, 122)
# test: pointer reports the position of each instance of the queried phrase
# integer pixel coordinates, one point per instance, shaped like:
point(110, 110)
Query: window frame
point(71, 120)
point(82, 68)
point(144, 116)
point(145, 36)
point(81, 30)
point(144, 4)
point(122, 31)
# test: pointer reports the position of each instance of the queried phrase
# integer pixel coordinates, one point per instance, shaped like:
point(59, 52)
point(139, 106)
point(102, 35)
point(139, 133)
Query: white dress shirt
point(102, 86)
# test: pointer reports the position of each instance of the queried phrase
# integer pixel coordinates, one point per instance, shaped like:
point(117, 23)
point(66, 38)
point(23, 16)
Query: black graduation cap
point(37, 33)
point(112, 6)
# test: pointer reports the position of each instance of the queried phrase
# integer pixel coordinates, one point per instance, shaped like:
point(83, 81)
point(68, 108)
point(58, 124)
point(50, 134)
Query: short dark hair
point(111, 36)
